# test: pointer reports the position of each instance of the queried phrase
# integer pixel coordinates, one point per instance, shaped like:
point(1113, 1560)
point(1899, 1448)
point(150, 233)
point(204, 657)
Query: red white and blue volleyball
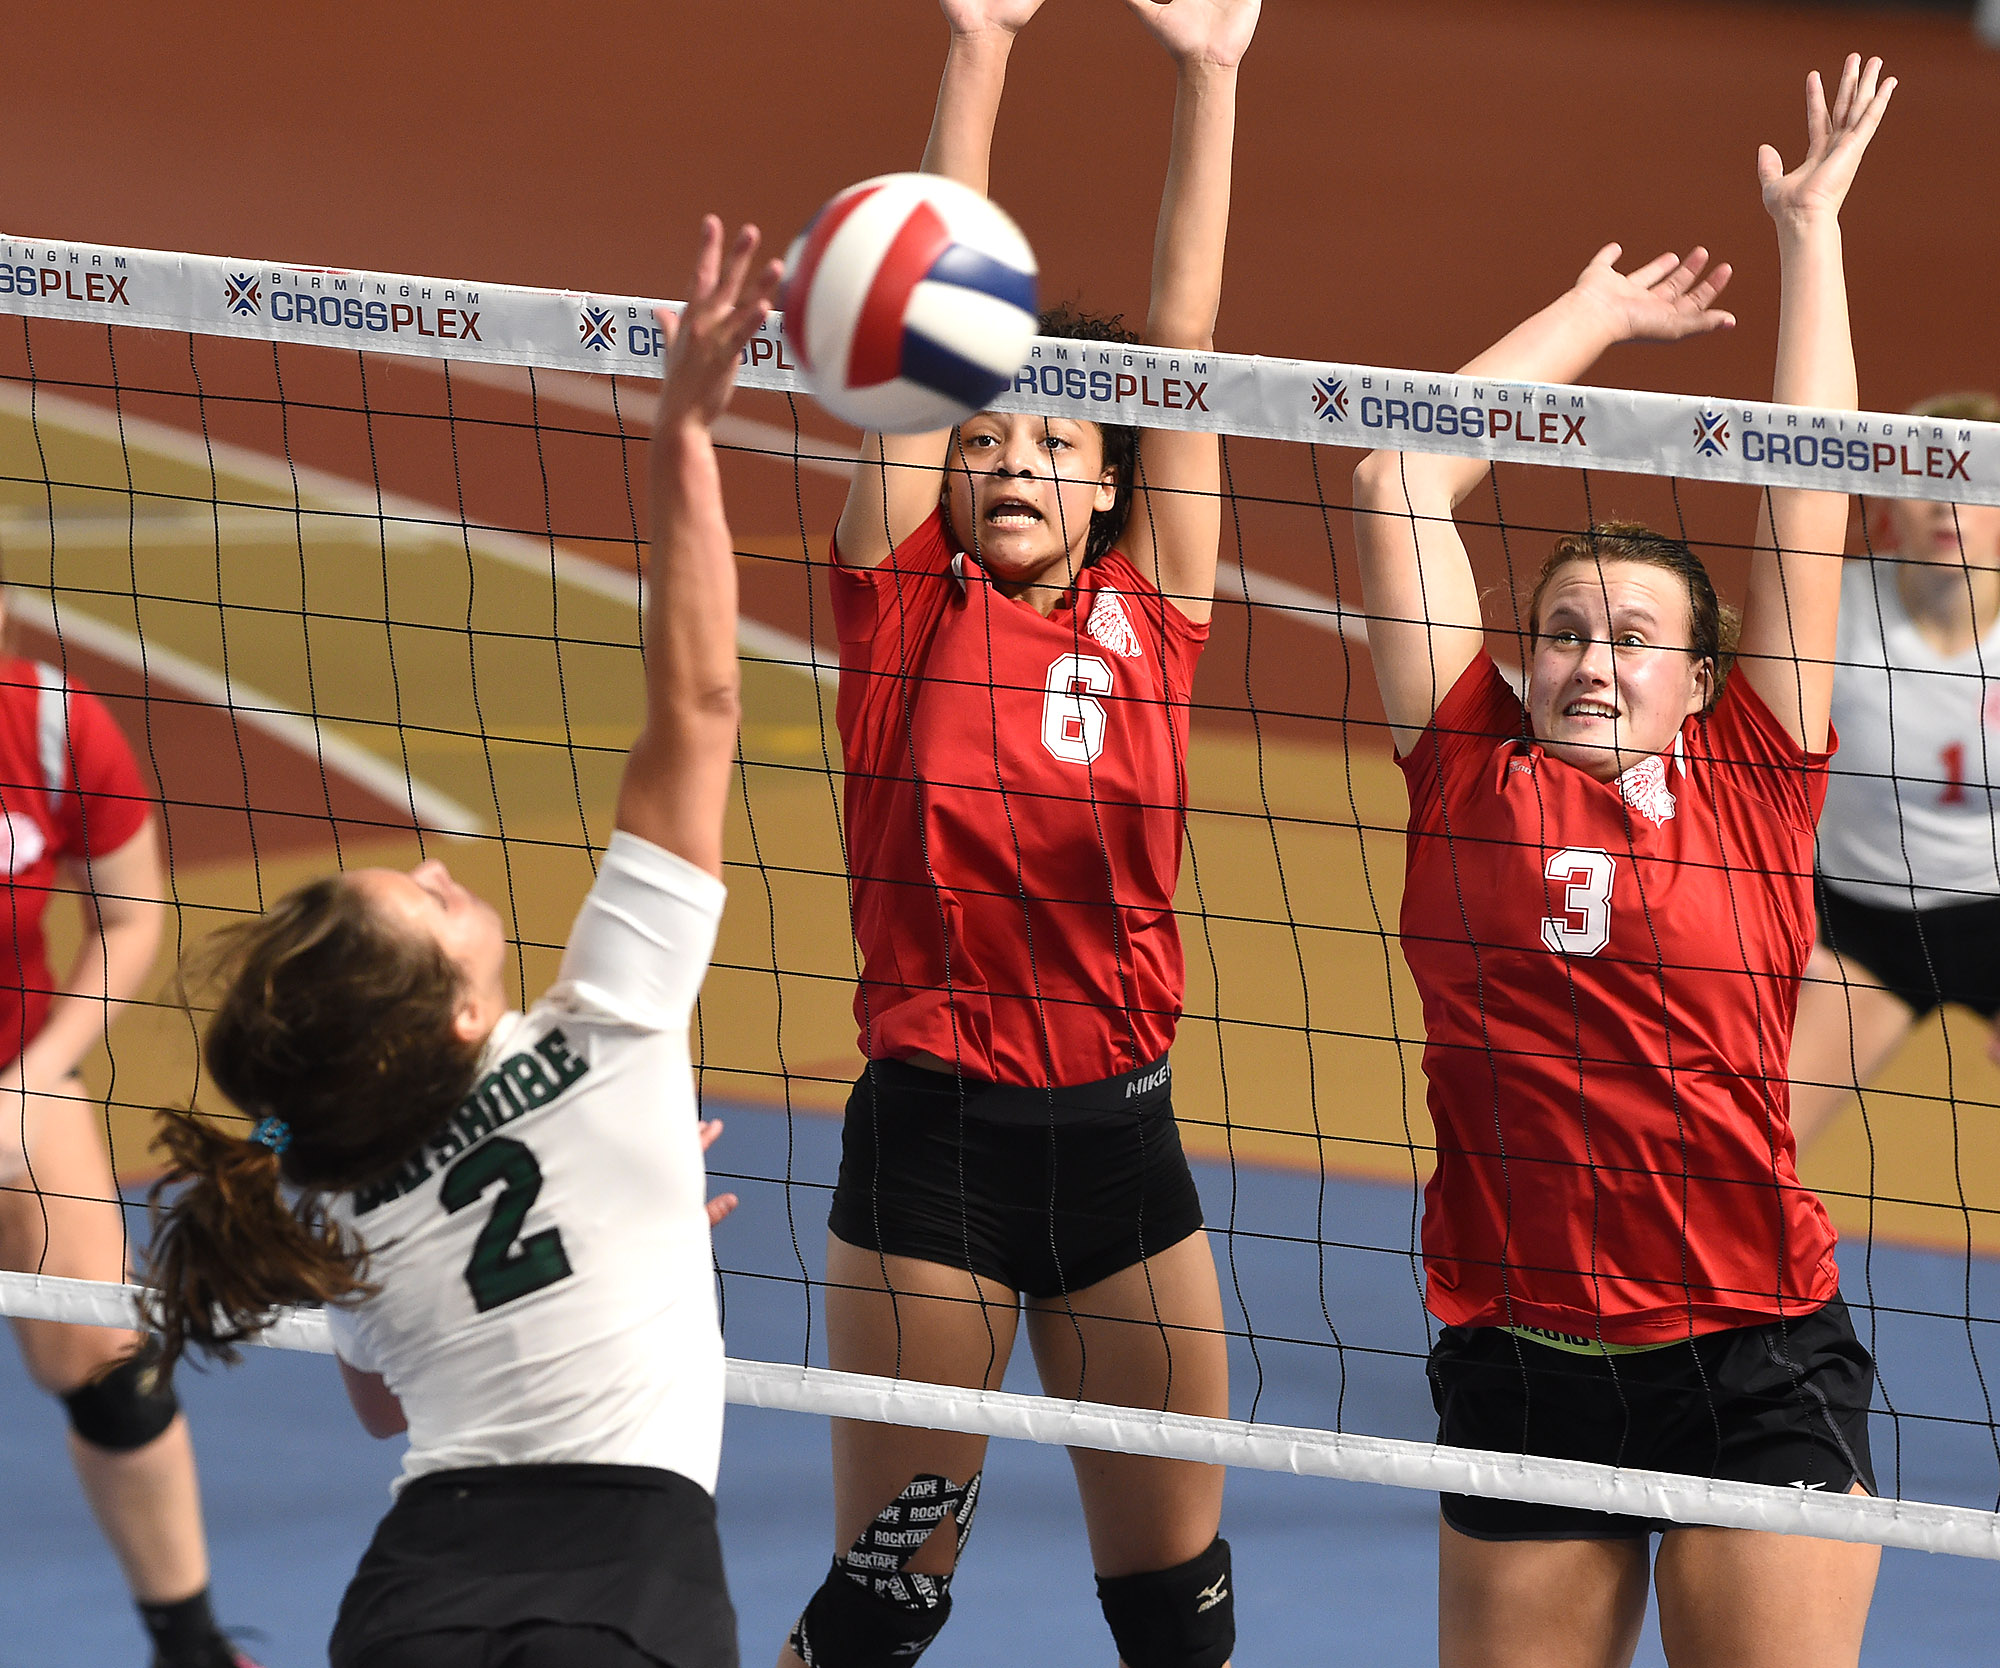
point(910, 303)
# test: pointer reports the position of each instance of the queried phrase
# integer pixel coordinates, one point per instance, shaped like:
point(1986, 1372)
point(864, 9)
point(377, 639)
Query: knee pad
point(127, 1407)
point(1184, 1617)
point(870, 1610)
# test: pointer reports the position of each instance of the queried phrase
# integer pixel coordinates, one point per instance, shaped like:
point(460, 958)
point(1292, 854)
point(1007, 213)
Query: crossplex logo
point(241, 293)
point(595, 328)
point(1329, 396)
point(1711, 434)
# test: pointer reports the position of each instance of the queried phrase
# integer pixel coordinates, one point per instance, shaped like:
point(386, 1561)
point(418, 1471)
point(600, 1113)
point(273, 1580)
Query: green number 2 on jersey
point(501, 1270)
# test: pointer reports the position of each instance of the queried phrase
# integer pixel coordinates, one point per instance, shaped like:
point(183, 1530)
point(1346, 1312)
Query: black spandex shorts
point(541, 1566)
point(1782, 1403)
point(1927, 957)
point(1044, 1198)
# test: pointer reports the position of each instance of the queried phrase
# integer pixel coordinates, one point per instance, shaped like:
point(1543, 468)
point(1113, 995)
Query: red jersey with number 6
point(1014, 803)
point(68, 790)
point(1609, 973)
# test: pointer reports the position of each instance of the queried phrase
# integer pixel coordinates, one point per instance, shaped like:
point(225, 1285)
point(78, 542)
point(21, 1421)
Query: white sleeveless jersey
point(1911, 805)
point(547, 1290)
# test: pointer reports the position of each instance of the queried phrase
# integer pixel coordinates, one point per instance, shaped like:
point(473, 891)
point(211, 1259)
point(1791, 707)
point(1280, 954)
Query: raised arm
point(677, 778)
point(1176, 524)
point(1791, 610)
point(899, 476)
point(1424, 625)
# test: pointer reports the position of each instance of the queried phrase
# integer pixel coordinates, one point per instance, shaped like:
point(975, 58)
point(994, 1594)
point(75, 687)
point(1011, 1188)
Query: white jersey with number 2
point(547, 1292)
point(1911, 799)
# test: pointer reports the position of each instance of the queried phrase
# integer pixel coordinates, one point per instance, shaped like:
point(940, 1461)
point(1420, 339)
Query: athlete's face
point(1945, 534)
point(425, 903)
point(1612, 679)
point(1020, 492)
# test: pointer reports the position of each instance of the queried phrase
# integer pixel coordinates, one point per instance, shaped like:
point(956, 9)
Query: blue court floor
point(1326, 1572)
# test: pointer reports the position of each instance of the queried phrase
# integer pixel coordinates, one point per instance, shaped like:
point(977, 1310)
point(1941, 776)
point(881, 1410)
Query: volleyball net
point(354, 558)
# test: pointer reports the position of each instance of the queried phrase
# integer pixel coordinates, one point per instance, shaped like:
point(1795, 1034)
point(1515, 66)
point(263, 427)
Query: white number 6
point(1586, 878)
point(1072, 717)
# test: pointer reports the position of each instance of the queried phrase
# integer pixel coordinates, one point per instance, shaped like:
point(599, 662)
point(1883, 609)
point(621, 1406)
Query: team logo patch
point(595, 329)
point(1330, 400)
point(1644, 788)
point(1111, 626)
point(21, 842)
point(1711, 434)
point(241, 293)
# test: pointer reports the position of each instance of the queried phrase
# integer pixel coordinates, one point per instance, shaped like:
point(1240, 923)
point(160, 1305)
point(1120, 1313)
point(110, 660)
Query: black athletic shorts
point(1782, 1403)
point(1927, 957)
point(1044, 1198)
point(541, 1566)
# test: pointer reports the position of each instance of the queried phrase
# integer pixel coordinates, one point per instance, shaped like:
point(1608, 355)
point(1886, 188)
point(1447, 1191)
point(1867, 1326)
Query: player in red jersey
point(74, 817)
point(1021, 603)
point(1607, 910)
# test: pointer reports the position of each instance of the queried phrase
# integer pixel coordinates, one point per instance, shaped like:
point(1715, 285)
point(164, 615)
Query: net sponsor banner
point(1881, 454)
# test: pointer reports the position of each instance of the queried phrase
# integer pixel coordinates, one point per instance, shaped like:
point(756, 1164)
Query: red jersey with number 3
point(1013, 802)
point(1609, 973)
point(68, 789)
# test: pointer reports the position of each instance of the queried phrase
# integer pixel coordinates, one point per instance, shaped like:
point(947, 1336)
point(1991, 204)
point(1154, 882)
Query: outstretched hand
point(1665, 300)
point(702, 346)
point(723, 1203)
point(1835, 141)
point(1200, 31)
point(989, 17)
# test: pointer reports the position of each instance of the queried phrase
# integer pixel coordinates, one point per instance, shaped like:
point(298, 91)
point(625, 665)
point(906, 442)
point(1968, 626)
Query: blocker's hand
point(989, 17)
point(1200, 31)
point(1665, 300)
point(723, 1203)
point(703, 345)
point(1835, 141)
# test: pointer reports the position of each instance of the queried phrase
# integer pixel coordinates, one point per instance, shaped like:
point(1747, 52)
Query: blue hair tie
point(274, 1133)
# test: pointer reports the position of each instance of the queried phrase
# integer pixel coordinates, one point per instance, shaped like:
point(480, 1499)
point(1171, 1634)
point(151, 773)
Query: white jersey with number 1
point(547, 1291)
point(1913, 794)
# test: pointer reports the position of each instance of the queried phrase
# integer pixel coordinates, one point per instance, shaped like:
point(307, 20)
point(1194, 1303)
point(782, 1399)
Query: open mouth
point(1012, 512)
point(1590, 709)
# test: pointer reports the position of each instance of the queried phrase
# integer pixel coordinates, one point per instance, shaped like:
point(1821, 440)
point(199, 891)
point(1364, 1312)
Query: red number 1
point(1953, 760)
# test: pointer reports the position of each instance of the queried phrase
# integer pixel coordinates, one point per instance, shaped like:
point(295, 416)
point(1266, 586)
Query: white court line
point(393, 512)
point(253, 707)
point(1305, 1452)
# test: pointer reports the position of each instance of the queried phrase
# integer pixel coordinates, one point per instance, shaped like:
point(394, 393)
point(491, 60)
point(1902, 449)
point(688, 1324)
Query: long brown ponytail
point(338, 1029)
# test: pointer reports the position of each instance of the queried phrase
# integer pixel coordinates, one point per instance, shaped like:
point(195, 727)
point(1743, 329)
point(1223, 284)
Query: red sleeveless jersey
point(68, 788)
point(1014, 804)
point(1609, 974)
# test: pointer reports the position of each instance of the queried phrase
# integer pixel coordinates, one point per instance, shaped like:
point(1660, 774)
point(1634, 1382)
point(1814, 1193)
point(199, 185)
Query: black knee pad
point(870, 1611)
point(1184, 1617)
point(847, 1626)
point(127, 1407)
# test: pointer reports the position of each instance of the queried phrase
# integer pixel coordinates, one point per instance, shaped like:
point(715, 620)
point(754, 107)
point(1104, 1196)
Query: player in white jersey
point(1909, 843)
point(504, 1212)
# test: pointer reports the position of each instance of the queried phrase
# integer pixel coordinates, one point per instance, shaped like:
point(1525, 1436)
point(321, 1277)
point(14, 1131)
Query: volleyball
point(910, 302)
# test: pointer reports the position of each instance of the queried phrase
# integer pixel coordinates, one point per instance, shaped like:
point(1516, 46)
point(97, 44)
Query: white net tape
point(1304, 1452)
point(1696, 438)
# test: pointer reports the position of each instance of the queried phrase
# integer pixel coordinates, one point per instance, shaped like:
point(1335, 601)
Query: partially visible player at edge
point(504, 1212)
point(1020, 605)
point(1607, 908)
point(78, 817)
point(1909, 846)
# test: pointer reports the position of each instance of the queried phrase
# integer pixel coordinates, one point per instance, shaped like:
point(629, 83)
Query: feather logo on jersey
point(24, 843)
point(1111, 626)
point(1644, 788)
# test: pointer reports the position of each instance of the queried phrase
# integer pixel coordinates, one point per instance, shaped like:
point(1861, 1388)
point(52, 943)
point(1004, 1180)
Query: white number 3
point(1072, 716)
point(1586, 878)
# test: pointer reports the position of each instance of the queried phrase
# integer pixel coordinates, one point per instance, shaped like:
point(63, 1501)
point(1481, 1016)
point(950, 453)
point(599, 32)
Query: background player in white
point(1628, 1271)
point(75, 817)
point(1016, 668)
point(1909, 844)
point(505, 1212)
